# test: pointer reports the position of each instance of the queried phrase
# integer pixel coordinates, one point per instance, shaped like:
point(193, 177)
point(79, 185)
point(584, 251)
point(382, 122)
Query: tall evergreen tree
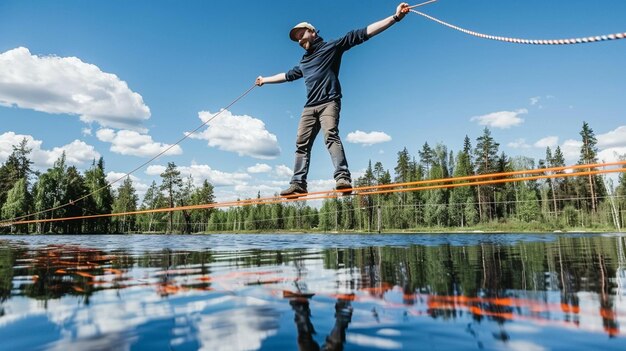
point(528, 206)
point(367, 202)
point(459, 195)
point(171, 184)
point(76, 189)
point(504, 196)
point(58, 178)
point(588, 155)
point(203, 196)
point(126, 200)
point(101, 200)
point(183, 198)
point(402, 169)
point(427, 156)
point(552, 194)
point(151, 201)
point(486, 153)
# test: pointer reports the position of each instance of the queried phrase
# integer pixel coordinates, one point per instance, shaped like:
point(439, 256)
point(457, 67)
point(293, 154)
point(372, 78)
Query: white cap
point(307, 25)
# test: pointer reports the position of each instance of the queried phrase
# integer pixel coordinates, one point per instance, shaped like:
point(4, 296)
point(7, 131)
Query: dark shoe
point(294, 190)
point(343, 184)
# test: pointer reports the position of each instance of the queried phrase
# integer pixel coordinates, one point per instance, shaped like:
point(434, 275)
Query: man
point(320, 68)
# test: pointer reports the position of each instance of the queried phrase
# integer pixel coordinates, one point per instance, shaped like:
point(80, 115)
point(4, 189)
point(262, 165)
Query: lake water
point(313, 292)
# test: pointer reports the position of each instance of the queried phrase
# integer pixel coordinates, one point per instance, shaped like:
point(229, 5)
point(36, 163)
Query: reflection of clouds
point(111, 341)
point(114, 320)
point(524, 346)
point(373, 341)
point(237, 329)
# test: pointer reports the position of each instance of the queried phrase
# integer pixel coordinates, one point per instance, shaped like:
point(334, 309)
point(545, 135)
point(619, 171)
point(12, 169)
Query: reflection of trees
point(492, 281)
point(58, 270)
point(7, 262)
point(497, 282)
point(54, 271)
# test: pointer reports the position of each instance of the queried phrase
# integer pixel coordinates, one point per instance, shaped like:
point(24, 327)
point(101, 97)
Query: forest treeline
point(590, 201)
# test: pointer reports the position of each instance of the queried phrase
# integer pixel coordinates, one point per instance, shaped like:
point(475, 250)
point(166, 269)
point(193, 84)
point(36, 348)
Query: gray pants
point(326, 118)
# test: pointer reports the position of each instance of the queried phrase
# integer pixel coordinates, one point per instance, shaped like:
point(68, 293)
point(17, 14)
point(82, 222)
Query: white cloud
point(129, 142)
point(140, 187)
point(371, 138)
point(77, 152)
point(535, 100)
point(502, 119)
point(571, 150)
point(250, 191)
point(321, 185)
point(614, 138)
point(155, 170)
point(518, 144)
point(86, 131)
point(283, 171)
point(67, 85)
point(259, 168)
point(244, 135)
point(612, 154)
point(549, 141)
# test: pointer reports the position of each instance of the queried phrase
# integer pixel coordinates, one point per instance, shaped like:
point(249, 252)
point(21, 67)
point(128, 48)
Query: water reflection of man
point(302, 317)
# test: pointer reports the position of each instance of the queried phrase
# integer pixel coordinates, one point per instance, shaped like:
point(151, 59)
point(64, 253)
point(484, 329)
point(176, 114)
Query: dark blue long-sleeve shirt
point(320, 67)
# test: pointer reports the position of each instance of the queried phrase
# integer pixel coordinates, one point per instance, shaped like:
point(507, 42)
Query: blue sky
point(123, 79)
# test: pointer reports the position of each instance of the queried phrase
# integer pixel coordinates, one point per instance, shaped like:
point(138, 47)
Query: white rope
point(591, 39)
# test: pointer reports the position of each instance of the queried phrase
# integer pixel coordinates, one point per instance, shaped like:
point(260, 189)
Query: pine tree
point(486, 162)
point(549, 163)
point(504, 196)
point(203, 196)
point(171, 184)
point(126, 200)
point(427, 156)
point(58, 178)
point(76, 189)
point(101, 200)
point(183, 198)
point(436, 212)
point(151, 201)
point(562, 185)
point(403, 175)
point(366, 202)
point(588, 155)
point(460, 195)
point(528, 207)
point(403, 167)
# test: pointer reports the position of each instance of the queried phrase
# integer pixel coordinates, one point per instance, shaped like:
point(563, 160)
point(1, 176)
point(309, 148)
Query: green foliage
point(101, 199)
point(126, 200)
point(17, 204)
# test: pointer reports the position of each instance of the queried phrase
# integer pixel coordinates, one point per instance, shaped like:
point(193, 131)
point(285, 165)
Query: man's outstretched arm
point(378, 27)
point(277, 78)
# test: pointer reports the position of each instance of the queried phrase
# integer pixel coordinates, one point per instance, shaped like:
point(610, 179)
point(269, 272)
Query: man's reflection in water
point(337, 336)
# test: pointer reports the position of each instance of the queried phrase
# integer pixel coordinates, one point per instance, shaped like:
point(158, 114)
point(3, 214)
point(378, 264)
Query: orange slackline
point(367, 190)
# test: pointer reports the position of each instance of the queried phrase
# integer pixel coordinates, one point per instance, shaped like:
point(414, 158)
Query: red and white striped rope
point(592, 39)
